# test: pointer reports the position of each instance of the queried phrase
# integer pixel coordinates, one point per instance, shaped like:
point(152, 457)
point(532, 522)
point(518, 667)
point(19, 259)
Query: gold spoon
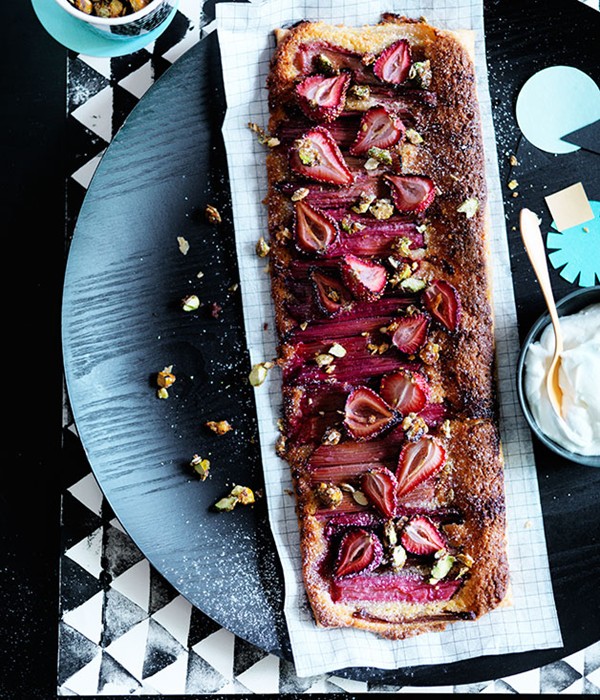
point(534, 245)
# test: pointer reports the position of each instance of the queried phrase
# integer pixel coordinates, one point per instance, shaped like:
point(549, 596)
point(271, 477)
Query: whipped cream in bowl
point(576, 433)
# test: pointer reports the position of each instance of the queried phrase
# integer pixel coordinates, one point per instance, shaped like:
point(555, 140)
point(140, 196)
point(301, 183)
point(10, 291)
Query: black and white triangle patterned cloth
point(123, 629)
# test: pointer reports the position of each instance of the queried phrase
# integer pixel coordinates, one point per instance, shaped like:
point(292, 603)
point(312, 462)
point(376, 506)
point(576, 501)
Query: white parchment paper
point(245, 33)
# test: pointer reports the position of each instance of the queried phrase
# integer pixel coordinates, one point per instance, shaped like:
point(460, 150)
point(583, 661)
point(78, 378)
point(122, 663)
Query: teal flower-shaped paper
point(578, 250)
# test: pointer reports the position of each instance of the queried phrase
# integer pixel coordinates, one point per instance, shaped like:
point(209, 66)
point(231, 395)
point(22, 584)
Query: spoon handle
point(534, 245)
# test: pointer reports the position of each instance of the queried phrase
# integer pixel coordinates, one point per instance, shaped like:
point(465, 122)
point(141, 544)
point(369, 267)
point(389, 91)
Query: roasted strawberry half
point(405, 391)
point(317, 156)
point(331, 295)
point(410, 332)
point(411, 193)
point(393, 64)
point(443, 303)
point(315, 231)
point(421, 536)
point(364, 278)
point(359, 551)
point(418, 461)
point(366, 414)
point(379, 128)
point(322, 98)
point(380, 487)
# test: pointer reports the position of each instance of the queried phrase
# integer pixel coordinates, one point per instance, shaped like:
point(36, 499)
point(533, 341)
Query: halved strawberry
point(405, 391)
point(317, 156)
point(393, 64)
point(421, 536)
point(380, 487)
point(418, 461)
point(366, 414)
point(322, 98)
point(411, 193)
point(315, 231)
point(364, 278)
point(359, 551)
point(331, 295)
point(443, 303)
point(410, 332)
point(379, 128)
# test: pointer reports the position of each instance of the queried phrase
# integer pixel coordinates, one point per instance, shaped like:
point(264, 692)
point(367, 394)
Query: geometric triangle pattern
point(123, 629)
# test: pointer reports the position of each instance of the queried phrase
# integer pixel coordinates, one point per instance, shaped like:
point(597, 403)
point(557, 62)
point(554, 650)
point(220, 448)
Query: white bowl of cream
point(576, 434)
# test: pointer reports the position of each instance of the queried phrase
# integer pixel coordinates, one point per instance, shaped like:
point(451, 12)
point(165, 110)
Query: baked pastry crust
point(465, 497)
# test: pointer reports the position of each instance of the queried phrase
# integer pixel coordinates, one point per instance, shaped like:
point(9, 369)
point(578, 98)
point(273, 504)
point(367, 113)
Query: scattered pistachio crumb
point(165, 378)
point(513, 160)
point(183, 244)
point(337, 350)
point(162, 393)
point(323, 359)
point(299, 194)
point(513, 184)
point(238, 494)
point(329, 494)
point(360, 498)
point(212, 214)
point(380, 154)
point(200, 274)
point(258, 373)
point(191, 302)
point(201, 466)
point(219, 427)
point(371, 164)
point(382, 209)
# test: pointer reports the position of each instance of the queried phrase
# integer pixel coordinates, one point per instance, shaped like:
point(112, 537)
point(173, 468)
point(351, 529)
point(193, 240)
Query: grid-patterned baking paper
point(245, 33)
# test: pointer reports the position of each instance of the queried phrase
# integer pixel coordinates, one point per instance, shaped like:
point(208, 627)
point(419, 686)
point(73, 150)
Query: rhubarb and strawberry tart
point(377, 223)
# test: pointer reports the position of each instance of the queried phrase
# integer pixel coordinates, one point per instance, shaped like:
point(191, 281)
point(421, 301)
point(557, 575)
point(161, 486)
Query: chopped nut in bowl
point(120, 18)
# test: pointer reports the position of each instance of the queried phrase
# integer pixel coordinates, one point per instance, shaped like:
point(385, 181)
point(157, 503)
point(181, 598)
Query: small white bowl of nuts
point(120, 19)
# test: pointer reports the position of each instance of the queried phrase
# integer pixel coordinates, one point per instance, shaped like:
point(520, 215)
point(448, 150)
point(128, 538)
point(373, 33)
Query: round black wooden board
point(123, 322)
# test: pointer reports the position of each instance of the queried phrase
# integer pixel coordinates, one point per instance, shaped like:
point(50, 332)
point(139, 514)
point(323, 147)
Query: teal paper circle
point(79, 37)
point(577, 250)
point(553, 103)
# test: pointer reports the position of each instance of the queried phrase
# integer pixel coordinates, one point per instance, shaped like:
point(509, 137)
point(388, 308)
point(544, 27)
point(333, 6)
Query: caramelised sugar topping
point(370, 313)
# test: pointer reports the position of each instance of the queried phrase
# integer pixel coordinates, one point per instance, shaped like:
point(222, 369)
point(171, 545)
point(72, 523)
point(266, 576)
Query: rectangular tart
point(377, 221)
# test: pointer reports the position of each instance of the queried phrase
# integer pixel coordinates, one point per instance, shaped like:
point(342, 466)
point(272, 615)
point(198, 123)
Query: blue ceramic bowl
point(136, 24)
point(570, 304)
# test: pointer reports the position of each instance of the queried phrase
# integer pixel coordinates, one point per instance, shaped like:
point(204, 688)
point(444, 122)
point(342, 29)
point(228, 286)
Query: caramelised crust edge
point(458, 252)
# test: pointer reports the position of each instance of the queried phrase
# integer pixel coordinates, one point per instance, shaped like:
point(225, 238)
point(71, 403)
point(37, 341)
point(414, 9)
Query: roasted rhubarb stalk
point(380, 286)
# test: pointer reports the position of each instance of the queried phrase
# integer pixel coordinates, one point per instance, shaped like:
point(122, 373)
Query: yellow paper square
point(569, 207)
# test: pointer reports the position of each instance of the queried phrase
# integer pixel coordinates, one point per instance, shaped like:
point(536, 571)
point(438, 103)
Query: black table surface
point(521, 38)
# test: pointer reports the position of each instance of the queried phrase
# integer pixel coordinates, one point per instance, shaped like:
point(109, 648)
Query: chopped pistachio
point(331, 436)
point(200, 274)
point(183, 244)
point(445, 428)
point(469, 207)
point(350, 225)
point(324, 64)
point(162, 393)
point(337, 350)
point(465, 559)
point(371, 164)
point(307, 153)
point(413, 284)
point(390, 533)
point(381, 154)
point(398, 558)
point(430, 353)
point(201, 466)
point(402, 273)
point(348, 488)
point(382, 209)
point(220, 427)
point(514, 194)
point(364, 202)
point(361, 92)
point(360, 498)
point(513, 160)
point(420, 72)
point(414, 136)
point(263, 136)
point(262, 248)
point(299, 194)
point(304, 325)
point(512, 185)
point(280, 445)
point(403, 246)
point(441, 567)
point(323, 359)
point(414, 426)
point(329, 494)
point(190, 302)
point(212, 214)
